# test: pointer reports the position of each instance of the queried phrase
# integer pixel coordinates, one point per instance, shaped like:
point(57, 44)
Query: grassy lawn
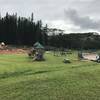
point(23, 79)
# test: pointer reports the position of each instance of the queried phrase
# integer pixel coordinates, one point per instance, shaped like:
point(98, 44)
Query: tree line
point(89, 40)
point(21, 30)
point(18, 30)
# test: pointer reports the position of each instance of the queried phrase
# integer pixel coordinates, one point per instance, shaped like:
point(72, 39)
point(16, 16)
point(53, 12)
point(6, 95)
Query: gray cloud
point(43, 9)
point(83, 22)
point(53, 11)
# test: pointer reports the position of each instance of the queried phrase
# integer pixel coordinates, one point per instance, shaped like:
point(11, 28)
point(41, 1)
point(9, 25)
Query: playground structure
point(37, 52)
point(89, 56)
point(61, 52)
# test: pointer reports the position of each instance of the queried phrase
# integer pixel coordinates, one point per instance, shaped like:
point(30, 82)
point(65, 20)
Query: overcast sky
point(70, 15)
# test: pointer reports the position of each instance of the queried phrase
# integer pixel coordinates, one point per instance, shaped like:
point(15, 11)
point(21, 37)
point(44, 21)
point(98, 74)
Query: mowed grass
point(23, 79)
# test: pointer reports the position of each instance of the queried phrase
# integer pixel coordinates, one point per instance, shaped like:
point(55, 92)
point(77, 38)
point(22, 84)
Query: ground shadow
point(13, 74)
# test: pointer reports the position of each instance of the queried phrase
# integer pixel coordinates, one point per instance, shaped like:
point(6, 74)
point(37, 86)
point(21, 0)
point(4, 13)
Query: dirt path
point(13, 51)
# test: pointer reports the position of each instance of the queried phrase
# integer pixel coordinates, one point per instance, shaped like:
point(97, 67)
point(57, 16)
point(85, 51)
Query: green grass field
point(23, 79)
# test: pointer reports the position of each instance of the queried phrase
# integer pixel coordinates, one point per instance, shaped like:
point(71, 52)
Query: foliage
point(76, 41)
point(26, 31)
point(21, 30)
